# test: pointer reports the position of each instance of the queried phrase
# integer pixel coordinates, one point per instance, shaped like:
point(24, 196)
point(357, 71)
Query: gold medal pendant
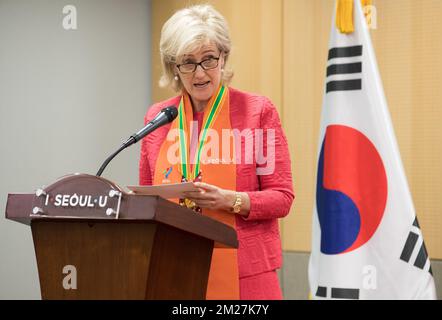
point(187, 202)
point(190, 204)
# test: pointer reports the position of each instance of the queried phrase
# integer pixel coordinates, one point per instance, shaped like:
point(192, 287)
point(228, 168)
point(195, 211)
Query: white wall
point(67, 99)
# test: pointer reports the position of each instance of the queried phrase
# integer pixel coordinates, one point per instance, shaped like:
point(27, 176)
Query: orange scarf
point(172, 166)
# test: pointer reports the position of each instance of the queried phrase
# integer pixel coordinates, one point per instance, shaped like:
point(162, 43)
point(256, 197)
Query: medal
point(187, 202)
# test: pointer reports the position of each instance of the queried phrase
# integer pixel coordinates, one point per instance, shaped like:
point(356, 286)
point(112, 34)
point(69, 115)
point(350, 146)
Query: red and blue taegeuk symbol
point(351, 192)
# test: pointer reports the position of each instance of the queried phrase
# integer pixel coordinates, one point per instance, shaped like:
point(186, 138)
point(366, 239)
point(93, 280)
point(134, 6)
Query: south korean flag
point(366, 242)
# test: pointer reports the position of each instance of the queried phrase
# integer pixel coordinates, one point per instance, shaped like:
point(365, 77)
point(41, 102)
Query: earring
point(176, 77)
point(222, 70)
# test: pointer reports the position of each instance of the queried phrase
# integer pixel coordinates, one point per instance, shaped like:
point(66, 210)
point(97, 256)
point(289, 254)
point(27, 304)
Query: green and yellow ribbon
point(214, 110)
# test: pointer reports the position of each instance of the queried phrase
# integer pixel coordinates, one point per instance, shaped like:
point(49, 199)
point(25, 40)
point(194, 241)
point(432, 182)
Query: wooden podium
point(94, 241)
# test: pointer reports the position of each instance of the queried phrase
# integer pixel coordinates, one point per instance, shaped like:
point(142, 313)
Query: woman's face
point(201, 84)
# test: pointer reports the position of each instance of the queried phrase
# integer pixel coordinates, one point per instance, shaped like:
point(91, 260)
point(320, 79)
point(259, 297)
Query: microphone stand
point(129, 142)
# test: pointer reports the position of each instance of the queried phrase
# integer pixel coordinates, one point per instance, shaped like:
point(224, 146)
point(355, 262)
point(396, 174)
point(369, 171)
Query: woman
point(230, 144)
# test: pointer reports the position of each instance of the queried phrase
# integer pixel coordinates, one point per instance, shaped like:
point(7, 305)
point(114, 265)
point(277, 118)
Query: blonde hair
point(188, 30)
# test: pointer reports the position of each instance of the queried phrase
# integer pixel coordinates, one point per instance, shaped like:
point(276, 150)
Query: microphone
point(163, 117)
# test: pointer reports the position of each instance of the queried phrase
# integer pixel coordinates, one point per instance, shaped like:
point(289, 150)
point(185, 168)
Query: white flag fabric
point(366, 241)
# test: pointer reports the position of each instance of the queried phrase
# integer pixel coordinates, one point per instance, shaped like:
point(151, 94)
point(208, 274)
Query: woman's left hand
point(212, 197)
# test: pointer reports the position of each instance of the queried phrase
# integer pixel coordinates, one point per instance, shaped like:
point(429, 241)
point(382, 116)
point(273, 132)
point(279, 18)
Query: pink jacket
point(271, 195)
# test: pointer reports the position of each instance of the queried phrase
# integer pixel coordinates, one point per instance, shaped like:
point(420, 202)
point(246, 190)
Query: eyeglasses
point(206, 64)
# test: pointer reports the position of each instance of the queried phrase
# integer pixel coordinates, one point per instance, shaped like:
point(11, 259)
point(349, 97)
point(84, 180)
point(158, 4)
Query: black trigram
point(410, 244)
point(344, 68)
point(338, 293)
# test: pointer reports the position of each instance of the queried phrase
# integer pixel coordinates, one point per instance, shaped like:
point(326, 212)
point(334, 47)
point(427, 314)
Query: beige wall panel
point(256, 30)
point(408, 42)
point(306, 32)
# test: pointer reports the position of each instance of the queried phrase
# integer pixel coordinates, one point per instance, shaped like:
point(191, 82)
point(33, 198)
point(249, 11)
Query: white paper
point(166, 191)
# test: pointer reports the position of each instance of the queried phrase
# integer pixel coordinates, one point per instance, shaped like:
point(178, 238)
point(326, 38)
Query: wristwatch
point(238, 202)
